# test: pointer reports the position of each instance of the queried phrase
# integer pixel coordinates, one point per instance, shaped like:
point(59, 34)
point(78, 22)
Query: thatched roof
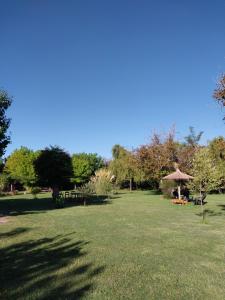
point(178, 175)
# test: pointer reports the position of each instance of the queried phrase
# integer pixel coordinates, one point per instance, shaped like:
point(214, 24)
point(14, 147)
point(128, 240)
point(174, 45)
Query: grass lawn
point(137, 246)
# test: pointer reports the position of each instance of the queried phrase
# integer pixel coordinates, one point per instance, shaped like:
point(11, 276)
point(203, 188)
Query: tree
point(124, 166)
point(193, 138)
point(53, 167)
point(219, 92)
point(217, 151)
point(157, 158)
point(20, 166)
point(205, 172)
point(84, 166)
point(5, 102)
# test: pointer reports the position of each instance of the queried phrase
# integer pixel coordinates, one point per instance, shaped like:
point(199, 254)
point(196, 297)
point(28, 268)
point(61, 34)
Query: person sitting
point(186, 193)
point(175, 194)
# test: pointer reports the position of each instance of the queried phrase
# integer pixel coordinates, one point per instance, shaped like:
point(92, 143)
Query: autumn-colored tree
point(219, 92)
point(157, 158)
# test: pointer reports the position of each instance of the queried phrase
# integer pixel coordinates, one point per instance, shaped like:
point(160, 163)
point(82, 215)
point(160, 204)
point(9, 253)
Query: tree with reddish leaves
point(219, 92)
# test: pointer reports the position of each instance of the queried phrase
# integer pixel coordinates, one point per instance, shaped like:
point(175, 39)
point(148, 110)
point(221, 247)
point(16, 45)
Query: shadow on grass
point(210, 213)
point(222, 206)
point(22, 206)
point(47, 268)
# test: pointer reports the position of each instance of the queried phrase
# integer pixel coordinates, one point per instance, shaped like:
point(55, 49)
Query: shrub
point(35, 190)
point(59, 201)
point(102, 182)
point(167, 186)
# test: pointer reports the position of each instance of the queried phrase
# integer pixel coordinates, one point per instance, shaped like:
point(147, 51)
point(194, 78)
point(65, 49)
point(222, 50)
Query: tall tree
point(217, 151)
point(219, 92)
point(124, 166)
point(20, 166)
point(53, 167)
point(5, 102)
point(84, 166)
point(193, 138)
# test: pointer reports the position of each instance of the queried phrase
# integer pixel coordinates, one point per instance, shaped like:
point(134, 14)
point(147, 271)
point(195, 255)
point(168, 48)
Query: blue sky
point(86, 75)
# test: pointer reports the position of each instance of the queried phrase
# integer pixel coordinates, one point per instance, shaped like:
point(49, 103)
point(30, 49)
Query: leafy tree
point(5, 102)
point(124, 166)
point(4, 181)
point(205, 172)
point(219, 92)
point(157, 158)
point(118, 151)
point(53, 167)
point(84, 166)
point(217, 151)
point(20, 166)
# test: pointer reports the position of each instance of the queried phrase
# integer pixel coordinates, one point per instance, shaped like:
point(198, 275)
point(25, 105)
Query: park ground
point(134, 246)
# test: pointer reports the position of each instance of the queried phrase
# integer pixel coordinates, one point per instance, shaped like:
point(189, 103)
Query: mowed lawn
point(135, 246)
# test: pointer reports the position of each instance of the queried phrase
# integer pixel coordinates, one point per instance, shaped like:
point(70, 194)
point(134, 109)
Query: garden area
point(132, 245)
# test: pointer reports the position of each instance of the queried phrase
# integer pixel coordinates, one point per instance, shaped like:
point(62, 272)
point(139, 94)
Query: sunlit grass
point(136, 246)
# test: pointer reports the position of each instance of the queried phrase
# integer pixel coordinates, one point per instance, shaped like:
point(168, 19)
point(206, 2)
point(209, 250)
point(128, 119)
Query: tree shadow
point(47, 268)
point(222, 206)
point(22, 206)
point(210, 213)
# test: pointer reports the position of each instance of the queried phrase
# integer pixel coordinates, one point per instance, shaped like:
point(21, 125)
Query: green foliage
point(35, 190)
point(84, 166)
point(4, 181)
point(59, 201)
point(5, 102)
point(53, 167)
point(20, 166)
point(167, 186)
point(124, 166)
point(205, 172)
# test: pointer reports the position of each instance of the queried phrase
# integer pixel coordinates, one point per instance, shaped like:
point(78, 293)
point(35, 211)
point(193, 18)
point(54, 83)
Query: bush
point(101, 182)
point(167, 186)
point(35, 190)
point(59, 201)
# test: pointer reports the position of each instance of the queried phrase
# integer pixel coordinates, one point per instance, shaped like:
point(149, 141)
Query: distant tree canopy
point(53, 167)
point(84, 166)
point(20, 166)
point(219, 92)
point(5, 102)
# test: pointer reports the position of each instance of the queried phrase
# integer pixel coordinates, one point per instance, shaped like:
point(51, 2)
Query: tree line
point(143, 167)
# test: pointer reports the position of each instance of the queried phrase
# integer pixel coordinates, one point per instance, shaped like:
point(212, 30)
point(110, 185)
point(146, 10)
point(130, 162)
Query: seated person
point(175, 193)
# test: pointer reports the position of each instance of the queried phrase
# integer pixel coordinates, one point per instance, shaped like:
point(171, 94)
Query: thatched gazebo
point(179, 177)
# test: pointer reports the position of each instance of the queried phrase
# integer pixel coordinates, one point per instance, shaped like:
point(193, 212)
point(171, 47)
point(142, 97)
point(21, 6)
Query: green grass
point(136, 246)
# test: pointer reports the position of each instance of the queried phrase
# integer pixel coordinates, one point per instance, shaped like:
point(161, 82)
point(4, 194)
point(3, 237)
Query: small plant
point(59, 201)
point(34, 191)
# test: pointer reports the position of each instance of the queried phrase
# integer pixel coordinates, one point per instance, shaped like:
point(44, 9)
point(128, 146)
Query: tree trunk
point(131, 184)
point(203, 213)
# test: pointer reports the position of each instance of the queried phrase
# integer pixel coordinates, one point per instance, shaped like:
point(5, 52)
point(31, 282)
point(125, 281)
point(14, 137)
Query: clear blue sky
point(86, 75)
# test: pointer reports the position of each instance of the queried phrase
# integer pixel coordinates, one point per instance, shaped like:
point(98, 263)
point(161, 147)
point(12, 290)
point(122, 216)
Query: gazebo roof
point(178, 175)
